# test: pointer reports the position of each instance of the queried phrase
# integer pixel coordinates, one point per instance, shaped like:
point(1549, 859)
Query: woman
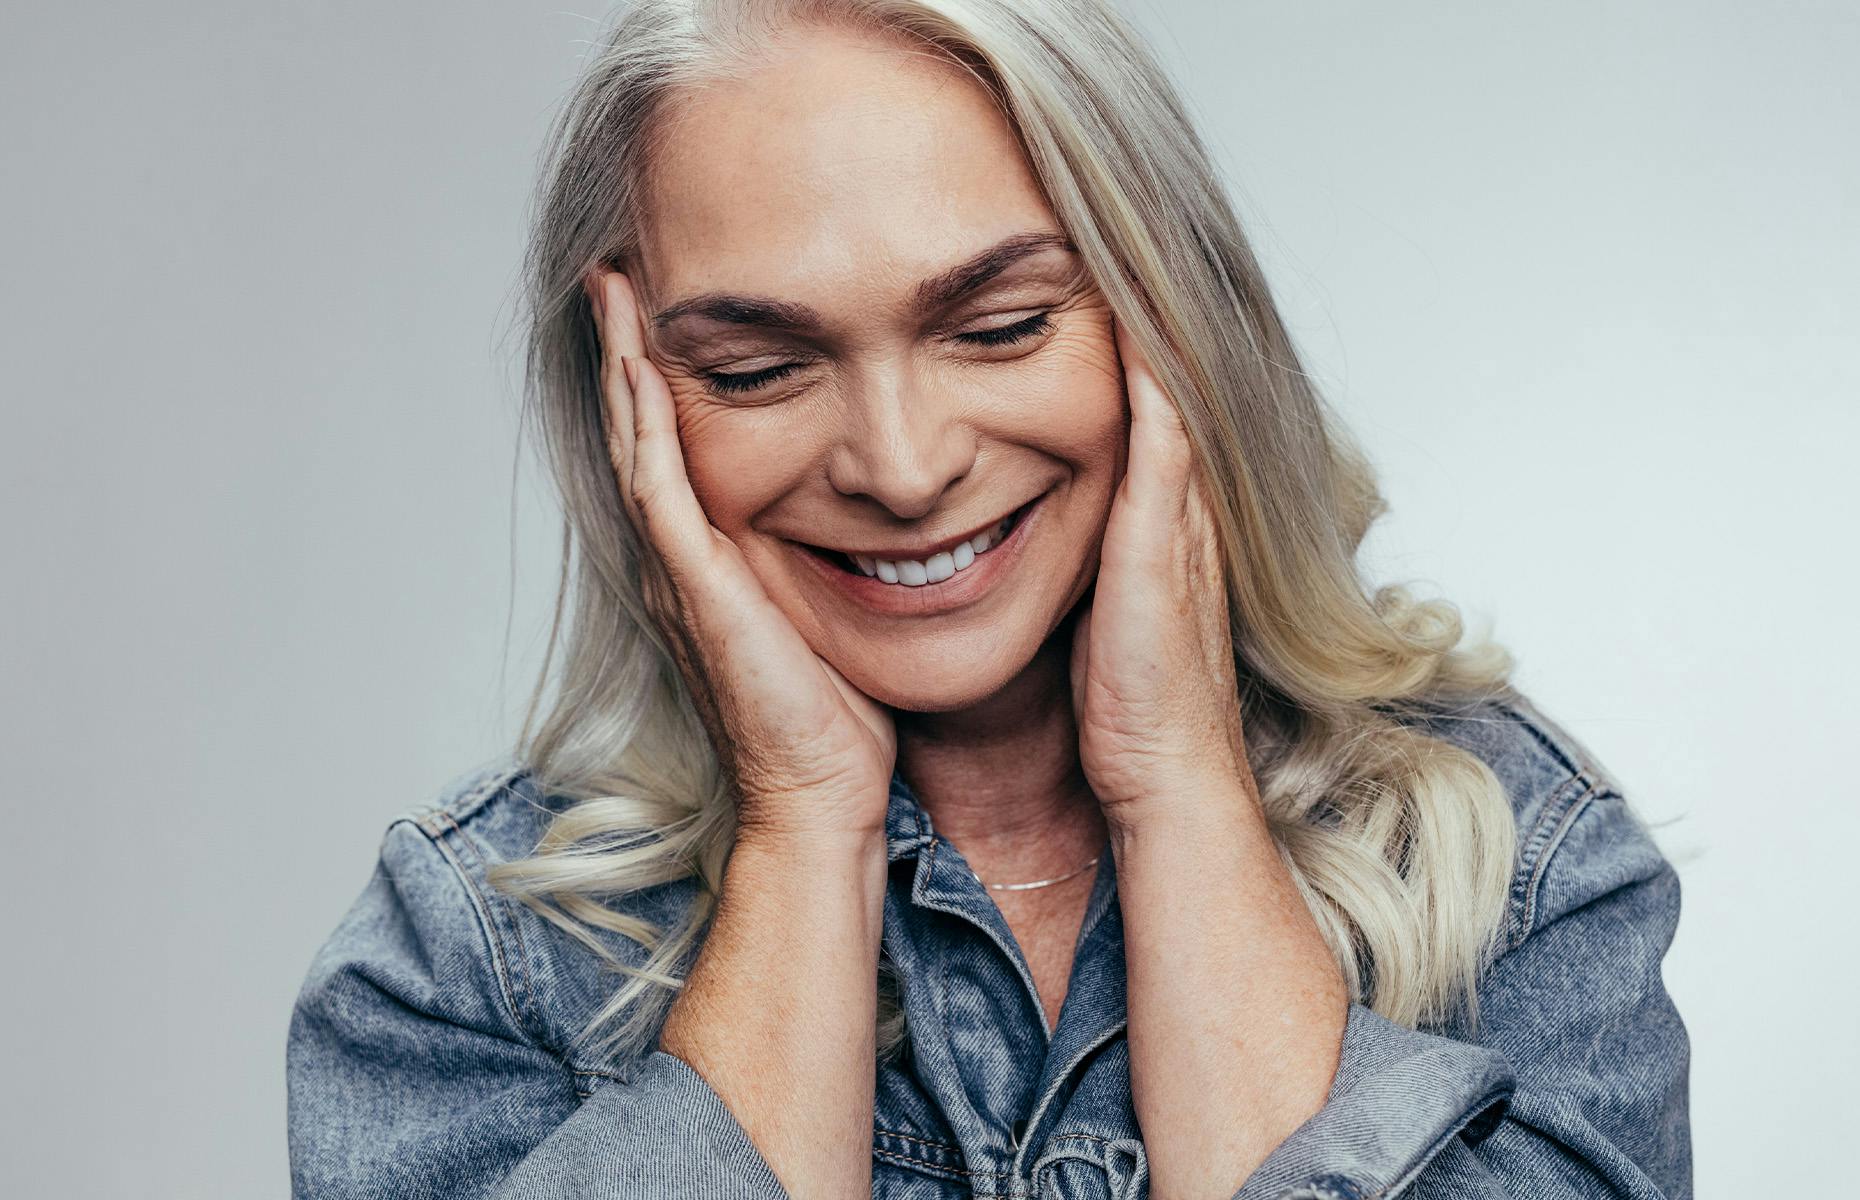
point(976, 767)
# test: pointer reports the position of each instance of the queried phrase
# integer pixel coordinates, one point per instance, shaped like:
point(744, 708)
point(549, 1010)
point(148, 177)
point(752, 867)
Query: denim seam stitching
point(902, 1160)
point(942, 961)
point(470, 802)
point(905, 1137)
point(513, 962)
point(1543, 738)
point(500, 955)
point(1531, 857)
point(1089, 1051)
point(617, 1078)
point(1575, 808)
point(1318, 1188)
point(915, 1162)
point(493, 946)
point(907, 1157)
point(942, 998)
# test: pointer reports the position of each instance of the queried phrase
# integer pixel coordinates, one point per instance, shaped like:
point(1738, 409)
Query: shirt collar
point(907, 825)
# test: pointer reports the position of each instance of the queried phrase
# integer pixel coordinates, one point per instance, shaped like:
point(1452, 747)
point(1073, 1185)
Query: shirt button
point(1019, 1132)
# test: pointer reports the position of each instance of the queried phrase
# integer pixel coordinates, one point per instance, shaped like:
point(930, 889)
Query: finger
point(625, 318)
point(674, 519)
point(627, 329)
point(1160, 453)
point(611, 323)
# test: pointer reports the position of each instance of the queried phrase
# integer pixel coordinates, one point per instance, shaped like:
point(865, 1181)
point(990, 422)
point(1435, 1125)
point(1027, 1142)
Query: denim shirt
point(427, 1053)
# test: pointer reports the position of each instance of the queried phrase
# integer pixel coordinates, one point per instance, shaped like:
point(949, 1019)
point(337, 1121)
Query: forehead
point(845, 164)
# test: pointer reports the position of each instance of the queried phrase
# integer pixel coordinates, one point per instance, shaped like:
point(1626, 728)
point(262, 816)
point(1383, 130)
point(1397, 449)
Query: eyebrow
point(932, 293)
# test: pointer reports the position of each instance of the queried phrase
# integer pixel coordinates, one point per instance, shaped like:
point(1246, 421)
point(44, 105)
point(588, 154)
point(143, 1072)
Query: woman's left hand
point(1236, 1005)
point(1153, 683)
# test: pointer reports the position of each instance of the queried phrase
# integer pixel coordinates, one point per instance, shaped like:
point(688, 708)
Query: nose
point(900, 443)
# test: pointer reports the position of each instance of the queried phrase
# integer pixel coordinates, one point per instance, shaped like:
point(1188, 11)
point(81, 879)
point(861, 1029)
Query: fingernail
point(626, 364)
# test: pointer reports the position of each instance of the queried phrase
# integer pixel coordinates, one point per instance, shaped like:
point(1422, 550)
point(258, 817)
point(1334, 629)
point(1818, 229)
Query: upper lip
point(924, 550)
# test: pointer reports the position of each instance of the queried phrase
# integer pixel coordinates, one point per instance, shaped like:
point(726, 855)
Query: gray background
point(1582, 275)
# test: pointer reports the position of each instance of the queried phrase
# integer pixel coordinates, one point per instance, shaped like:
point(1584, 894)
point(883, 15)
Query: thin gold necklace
point(1038, 883)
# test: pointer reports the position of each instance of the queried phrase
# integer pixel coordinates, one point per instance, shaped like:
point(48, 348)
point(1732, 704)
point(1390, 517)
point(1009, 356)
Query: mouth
point(947, 562)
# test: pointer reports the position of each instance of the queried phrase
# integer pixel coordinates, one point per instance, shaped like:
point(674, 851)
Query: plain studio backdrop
point(1581, 275)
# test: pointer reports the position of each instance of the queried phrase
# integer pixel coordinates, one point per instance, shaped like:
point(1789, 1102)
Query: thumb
point(1081, 650)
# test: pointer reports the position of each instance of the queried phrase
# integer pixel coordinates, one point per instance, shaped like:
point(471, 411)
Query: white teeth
point(938, 567)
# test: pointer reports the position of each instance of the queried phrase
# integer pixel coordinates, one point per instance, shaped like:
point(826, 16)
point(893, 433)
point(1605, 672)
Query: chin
point(934, 681)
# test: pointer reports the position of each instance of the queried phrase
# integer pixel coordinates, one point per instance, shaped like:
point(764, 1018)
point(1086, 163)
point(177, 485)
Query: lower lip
point(963, 588)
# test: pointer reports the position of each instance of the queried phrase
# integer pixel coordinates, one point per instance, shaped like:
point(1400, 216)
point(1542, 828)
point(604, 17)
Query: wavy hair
point(1401, 843)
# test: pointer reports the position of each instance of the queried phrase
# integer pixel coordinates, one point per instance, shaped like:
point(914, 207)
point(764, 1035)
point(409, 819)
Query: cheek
point(739, 460)
point(1068, 401)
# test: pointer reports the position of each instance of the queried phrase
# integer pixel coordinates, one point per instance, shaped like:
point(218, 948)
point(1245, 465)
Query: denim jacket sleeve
point(410, 1073)
point(1577, 1084)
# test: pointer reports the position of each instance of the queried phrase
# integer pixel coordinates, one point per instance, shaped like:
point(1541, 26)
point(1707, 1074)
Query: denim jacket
point(427, 1050)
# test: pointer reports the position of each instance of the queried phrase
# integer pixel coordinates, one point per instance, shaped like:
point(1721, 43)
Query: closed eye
point(748, 381)
point(1018, 331)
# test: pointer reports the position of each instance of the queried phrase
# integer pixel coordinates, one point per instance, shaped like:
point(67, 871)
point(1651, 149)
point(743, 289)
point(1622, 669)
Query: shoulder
point(1578, 834)
point(490, 813)
point(409, 943)
point(548, 981)
point(1541, 764)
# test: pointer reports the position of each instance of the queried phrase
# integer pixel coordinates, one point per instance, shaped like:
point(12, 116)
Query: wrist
point(1188, 810)
point(851, 818)
point(787, 856)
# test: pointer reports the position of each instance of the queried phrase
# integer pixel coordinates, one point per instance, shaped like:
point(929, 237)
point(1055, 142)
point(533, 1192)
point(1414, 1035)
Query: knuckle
point(613, 371)
point(616, 462)
point(645, 492)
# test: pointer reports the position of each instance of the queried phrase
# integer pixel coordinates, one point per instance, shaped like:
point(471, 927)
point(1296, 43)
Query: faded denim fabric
point(426, 1051)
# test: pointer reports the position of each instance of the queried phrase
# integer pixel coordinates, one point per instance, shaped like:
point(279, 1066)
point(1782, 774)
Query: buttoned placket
point(967, 981)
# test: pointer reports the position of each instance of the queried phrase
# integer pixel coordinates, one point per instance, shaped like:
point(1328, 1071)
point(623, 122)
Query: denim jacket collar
point(1093, 1012)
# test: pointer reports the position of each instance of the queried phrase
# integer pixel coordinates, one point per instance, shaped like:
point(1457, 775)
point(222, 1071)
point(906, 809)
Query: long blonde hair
point(1401, 844)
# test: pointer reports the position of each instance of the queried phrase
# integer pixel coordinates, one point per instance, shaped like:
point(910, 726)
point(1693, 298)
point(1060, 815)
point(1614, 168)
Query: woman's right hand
point(808, 752)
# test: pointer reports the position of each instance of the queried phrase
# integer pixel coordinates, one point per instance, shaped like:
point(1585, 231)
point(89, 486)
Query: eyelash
point(749, 381)
point(1007, 334)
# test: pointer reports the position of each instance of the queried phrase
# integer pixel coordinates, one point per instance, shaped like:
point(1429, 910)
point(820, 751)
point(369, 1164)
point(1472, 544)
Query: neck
point(1001, 779)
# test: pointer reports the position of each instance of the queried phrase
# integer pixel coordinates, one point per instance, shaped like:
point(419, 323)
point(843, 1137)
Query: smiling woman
point(949, 516)
point(851, 421)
